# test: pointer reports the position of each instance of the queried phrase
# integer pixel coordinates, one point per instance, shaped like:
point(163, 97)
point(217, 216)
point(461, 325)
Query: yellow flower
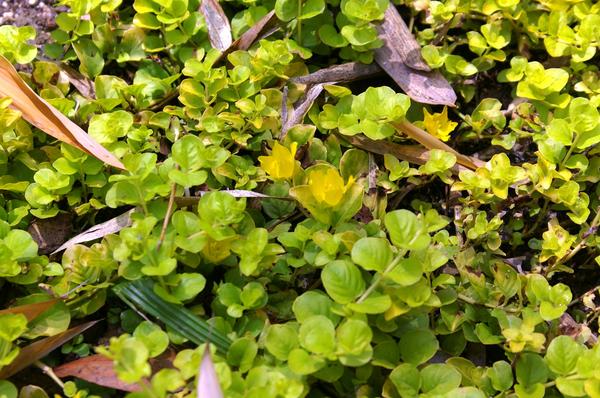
point(328, 186)
point(281, 164)
point(438, 125)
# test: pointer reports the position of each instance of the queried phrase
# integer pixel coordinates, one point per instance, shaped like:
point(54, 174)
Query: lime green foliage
point(345, 272)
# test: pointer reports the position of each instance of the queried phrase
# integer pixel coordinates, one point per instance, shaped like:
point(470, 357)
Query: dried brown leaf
point(400, 57)
point(31, 311)
point(219, 30)
point(399, 44)
point(96, 369)
point(84, 85)
point(39, 349)
point(47, 118)
point(339, 73)
point(99, 369)
point(251, 35)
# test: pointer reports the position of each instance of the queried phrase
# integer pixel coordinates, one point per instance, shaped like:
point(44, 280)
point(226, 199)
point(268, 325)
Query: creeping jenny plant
point(337, 258)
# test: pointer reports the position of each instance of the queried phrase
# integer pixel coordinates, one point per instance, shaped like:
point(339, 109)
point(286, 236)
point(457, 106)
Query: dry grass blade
point(400, 57)
point(31, 311)
point(301, 107)
point(219, 30)
point(111, 226)
point(96, 369)
point(39, 349)
point(45, 117)
point(339, 73)
point(431, 142)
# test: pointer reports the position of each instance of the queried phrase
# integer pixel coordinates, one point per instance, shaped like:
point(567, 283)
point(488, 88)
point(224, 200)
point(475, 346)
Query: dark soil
point(36, 13)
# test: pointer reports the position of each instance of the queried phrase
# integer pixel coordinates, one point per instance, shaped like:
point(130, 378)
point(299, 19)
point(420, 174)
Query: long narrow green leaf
point(140, 296)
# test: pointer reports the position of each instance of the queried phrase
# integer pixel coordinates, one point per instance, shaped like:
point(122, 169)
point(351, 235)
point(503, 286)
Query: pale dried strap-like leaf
point(339, 73)
point(39, 349)
point(31, 311)
point(399, 44)
point(431, 142)
point(111, 226)
point(219, 30)
point(47, 118)
point(397, 57)
point(208, 382)
point(301, 107)
point(96, 369)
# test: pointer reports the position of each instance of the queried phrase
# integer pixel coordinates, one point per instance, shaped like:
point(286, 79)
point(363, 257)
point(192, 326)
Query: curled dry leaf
point(208, 382)
point(31, 311)
point(219, 30)
point(400, 57)
point(39, 349)
point(47, 118)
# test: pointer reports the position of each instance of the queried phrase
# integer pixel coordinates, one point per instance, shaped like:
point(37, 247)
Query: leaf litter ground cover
point(301, 198)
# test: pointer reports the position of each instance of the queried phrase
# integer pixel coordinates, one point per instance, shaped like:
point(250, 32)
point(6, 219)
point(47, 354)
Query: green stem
point(469, 300)
point(377, 278)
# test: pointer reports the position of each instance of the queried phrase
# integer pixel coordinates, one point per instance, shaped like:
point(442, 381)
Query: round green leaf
point(302, 363)
point(317, 335)
point(7, 389)
point(531, 369)
point(406, 230)
point(562, 355)
point(407, 380)
point(242, 353)
point(354, 336)
point(280, 340)
point(439, 378)
point(373, 254)
point(153, 337)
point(417, 346)
point(342, 281)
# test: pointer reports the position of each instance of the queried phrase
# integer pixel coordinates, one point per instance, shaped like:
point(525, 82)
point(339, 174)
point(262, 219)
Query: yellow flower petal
point(281, 164)
point(328, 186)
point(438, 125)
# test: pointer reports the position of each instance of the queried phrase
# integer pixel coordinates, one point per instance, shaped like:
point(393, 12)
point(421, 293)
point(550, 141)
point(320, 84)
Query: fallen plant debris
point(301, 198)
